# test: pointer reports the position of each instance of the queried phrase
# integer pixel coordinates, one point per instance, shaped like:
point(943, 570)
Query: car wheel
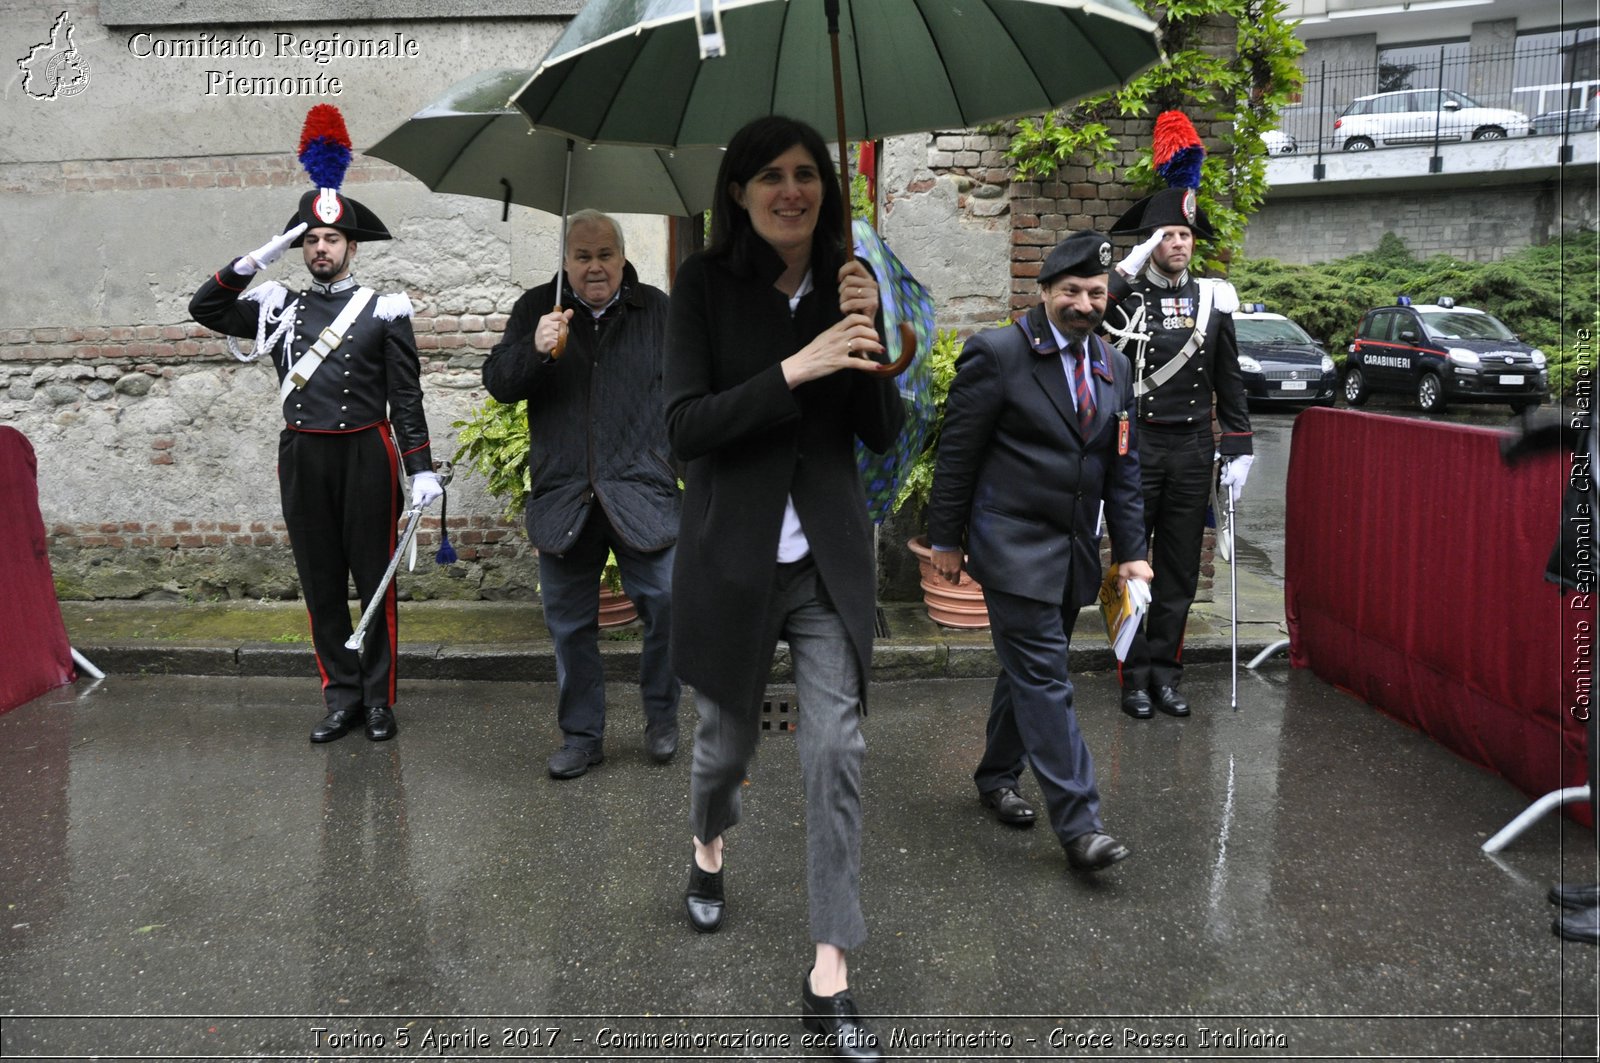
point(1489, 132)
point(1430, 393)
point(1355, 387)
point(1359, 144)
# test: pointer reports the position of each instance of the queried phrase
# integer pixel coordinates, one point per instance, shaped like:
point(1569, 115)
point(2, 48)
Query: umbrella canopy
point(905, 301)
point(472, 142)
point(630, 71)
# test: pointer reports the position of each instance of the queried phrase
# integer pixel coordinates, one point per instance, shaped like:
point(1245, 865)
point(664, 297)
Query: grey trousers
point(831, 751)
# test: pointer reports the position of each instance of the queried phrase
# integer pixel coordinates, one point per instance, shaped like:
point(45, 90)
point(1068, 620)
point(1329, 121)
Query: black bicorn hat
point(1083, 254)
point(324, 206)
point(1170, 206)
point(325, 153)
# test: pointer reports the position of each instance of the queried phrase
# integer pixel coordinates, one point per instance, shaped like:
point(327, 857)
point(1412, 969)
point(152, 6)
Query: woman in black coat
point(768, 333)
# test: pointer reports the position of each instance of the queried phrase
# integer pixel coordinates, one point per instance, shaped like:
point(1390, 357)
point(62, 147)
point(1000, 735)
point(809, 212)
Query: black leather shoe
point(569, 762)
point(1008, 807)
point(1581, 924)
point(704, 899)
point(839, 1022)
point(1575, 895)
point(1095, 851)
point(1169, 701)
point(337, 724)
point(1136, 703)
point(381, 725)
point(661, 741)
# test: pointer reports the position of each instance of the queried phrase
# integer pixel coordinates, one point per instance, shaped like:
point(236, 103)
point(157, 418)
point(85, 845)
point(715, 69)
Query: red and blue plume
point(1177, 151)
point(325, 146)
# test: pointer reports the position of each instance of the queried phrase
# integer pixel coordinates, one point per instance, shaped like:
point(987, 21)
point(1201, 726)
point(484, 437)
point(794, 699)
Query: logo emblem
point(327, 206)
point(1105, 254)
point(1510, 360)
point(55, 68)
point(1189, 207)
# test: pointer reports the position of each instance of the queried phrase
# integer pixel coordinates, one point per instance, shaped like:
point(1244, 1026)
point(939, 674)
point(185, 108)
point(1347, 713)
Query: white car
point(1278, 142)
point(1409, 117)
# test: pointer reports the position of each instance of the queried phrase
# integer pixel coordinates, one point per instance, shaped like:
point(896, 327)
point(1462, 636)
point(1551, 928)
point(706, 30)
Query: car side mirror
point(1451, 105)
point(1408, 335)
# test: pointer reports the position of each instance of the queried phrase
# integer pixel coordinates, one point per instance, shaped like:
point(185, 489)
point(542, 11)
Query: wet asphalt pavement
point(1304, 870)
point(184, 876)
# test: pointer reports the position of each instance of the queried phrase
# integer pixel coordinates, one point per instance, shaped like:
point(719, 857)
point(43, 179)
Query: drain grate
point(780, 714)
point(880, 624)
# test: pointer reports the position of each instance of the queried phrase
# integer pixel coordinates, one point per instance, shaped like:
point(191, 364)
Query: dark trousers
point(1175, 471)
point(341, 502)
point(1031, 713)
point(569, 587)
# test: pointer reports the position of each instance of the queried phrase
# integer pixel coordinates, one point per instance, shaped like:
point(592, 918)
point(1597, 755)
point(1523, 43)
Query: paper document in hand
point(1122, 610)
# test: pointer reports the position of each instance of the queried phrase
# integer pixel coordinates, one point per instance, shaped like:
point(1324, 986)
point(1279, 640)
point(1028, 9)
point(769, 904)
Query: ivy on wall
point(1247, 87)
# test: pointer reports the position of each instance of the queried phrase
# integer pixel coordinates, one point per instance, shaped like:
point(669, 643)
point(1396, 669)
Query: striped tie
point(1083, 387)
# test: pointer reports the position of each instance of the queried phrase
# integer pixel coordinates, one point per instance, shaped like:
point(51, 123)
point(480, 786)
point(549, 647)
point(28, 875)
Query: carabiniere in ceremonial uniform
point(1177, 330)
point(351, 393)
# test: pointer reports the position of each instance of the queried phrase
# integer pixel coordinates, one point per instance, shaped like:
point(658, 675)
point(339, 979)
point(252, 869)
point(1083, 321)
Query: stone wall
point(1474, 224)
point(157, 449)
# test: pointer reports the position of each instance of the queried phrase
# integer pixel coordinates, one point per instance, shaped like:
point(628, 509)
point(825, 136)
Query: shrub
point(1544, 294)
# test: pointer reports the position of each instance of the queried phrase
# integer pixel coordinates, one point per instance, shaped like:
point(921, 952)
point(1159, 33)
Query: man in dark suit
point(1036, 436)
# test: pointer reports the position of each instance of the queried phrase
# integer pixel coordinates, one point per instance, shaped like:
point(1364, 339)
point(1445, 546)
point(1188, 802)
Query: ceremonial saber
point(412, 522)
point(1233, 597)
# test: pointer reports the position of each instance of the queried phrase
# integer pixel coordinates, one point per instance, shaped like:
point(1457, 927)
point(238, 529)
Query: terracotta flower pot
point(956, 605)
point(616, 609)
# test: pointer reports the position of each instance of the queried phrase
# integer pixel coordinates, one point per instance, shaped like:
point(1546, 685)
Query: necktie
point(1083, 386)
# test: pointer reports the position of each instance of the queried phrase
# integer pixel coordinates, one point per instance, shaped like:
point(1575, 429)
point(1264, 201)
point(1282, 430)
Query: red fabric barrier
point(1414, 577)
point(36, 656)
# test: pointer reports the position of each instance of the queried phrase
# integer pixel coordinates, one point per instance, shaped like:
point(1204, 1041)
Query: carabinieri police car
point(1442, 353)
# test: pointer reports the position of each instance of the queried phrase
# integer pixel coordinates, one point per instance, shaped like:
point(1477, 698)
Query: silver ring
point(851, 346)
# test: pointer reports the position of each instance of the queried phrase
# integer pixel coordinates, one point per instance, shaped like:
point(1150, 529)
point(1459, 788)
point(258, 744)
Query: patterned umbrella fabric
point(904, 299)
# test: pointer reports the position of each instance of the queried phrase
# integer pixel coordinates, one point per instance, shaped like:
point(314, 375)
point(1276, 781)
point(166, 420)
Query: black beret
point(1170, 206)
point(1083, 254)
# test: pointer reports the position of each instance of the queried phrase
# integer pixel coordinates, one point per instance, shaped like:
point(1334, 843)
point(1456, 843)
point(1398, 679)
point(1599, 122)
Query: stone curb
point(892, 660)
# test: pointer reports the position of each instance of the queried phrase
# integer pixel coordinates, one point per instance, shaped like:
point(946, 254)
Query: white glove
point(425, 487)
point(268, 253)
point(1130, 266)
point(1234, 473)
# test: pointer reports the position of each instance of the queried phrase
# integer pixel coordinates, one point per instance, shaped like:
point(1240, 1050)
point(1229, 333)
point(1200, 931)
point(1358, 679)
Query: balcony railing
point(1448, 98)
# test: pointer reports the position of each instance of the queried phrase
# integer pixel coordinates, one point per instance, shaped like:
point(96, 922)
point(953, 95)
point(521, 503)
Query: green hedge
point(1544, 294)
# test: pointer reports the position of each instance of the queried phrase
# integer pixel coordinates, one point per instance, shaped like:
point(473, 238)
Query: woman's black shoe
point(703, 899)
point(845, 1033)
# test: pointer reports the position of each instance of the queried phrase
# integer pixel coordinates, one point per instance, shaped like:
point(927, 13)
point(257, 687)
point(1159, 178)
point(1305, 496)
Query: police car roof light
point(1445, 301)
point(1404, 300)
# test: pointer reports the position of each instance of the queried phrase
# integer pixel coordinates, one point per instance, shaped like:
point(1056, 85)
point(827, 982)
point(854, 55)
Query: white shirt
point(792, 542)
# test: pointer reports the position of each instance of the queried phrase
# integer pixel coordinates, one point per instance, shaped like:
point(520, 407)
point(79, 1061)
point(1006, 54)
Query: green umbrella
point(696, 71)
point(472, 142)
point(630, 71)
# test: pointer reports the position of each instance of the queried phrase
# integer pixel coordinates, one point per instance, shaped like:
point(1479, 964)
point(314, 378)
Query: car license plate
point(1300, 385)
point(1510, 380)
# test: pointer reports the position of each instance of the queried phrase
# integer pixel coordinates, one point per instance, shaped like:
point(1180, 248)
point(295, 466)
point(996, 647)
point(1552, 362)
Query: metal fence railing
point(1443, 95)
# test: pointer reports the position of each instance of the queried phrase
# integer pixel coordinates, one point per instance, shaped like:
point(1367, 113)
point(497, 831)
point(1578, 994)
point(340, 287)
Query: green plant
point(611, 575)
point(493, 443)
point(918, 483)
point(1246, 86)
